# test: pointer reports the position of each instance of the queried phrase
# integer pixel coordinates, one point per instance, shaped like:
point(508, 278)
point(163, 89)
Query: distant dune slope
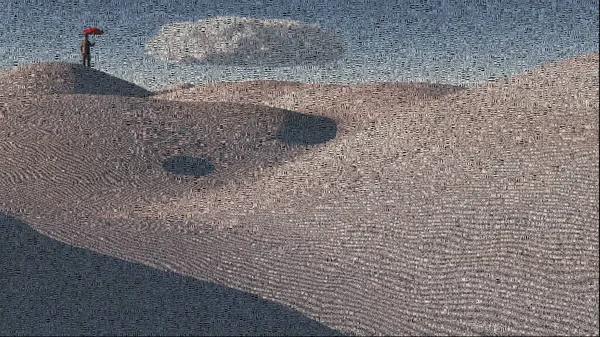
point(64, 78)
point(470, 213)
point(347, 104)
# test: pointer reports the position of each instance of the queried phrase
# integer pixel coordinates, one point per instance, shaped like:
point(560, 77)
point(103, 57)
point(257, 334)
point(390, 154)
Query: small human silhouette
point(85, 50)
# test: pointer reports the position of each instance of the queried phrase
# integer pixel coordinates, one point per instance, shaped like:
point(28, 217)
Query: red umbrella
point(93, 31)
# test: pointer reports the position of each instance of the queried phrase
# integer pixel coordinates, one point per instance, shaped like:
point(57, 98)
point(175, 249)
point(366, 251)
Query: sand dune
point(433, 210)
point(82, 150)
point(64, 78)
point(335, 101)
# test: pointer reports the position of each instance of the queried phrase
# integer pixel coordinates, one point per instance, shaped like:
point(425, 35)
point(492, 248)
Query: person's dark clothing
point(85, 46)
point(86, 59)
point(85, 51)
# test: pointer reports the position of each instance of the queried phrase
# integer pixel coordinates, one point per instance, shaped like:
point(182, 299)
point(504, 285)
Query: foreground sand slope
point(50, 288)
point(475, 213)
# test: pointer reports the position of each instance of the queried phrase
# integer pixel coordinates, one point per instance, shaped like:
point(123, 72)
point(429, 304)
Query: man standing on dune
point(85, 50)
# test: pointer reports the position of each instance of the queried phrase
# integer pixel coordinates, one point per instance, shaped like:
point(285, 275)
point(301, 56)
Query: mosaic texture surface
point(143, 198)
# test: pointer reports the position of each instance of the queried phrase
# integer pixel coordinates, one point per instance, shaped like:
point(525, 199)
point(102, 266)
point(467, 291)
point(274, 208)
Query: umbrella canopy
point(93, 31)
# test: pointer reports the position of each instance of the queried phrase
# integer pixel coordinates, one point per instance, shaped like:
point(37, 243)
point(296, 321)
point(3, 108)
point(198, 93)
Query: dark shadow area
point(302, 129)
point(91, 81)
point(189, 166)
point(50, 288)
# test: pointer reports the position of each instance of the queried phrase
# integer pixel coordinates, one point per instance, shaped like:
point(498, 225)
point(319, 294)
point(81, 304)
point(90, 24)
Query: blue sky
point(447, 41)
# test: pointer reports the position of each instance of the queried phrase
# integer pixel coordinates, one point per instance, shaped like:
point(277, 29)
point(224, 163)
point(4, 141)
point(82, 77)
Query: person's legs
point(83, 59)
point(88, 59)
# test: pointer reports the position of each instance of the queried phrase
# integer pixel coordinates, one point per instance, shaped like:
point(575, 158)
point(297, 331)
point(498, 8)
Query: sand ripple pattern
point(99, 153)
point(474, 213)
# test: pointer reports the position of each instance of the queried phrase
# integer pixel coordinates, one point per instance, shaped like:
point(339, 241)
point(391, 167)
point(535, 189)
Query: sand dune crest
point(64, 78)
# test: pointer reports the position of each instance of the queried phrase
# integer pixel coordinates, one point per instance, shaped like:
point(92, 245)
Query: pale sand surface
point(433, 211)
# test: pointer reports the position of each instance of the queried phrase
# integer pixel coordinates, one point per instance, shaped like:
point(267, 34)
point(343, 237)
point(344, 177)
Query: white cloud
point(245, 41)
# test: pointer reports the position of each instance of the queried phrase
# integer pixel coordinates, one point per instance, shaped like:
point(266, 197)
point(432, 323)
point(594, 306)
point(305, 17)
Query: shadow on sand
point(303, 129)
point(88, 80)
point(189, 166)
point(51, 288)
point(296, 129)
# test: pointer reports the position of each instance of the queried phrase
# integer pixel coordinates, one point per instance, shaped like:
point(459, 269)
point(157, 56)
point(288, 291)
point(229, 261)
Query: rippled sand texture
point(375, 209)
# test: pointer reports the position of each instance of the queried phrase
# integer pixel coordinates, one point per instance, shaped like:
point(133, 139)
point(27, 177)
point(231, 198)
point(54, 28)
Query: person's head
point(85, 36)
